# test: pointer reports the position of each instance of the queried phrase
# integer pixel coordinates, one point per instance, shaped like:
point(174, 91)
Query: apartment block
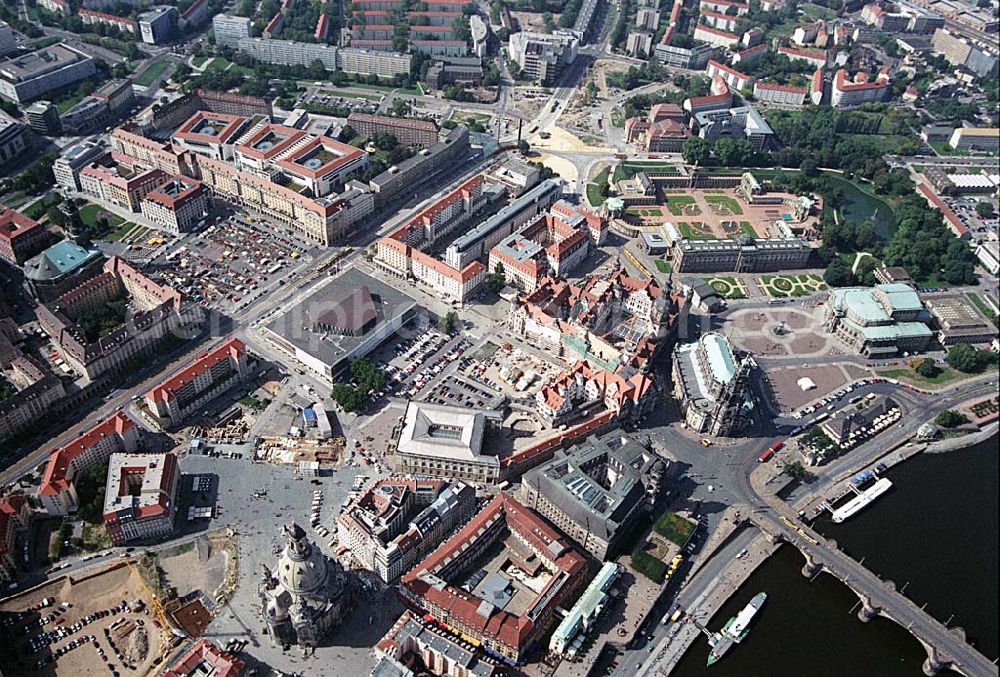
point(122, 23)
point(716, 37)
point(20, 236)
point(119, 186)
point(209, 375)
point(155, 312)
point(57, 492)
point(422, 133)
point(177, 205)
point(397, 521)
point(229, 29)
point(780, 95)
point(140, 497)
point(321, 220)
point(37, 390)
point(733, 77)
point(846, 93)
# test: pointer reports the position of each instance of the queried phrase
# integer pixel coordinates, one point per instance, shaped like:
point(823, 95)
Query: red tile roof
point(14, 224)
point(204, 653)
point(54, 480)
point(775, 87)
point(949, 214)
point(165, 390)
point(514, 632)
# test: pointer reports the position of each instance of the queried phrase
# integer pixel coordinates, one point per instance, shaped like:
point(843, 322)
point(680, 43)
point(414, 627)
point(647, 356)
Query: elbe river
point(936, 532)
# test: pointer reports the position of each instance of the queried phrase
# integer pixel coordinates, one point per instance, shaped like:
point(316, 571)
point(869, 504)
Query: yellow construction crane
point(157, 607)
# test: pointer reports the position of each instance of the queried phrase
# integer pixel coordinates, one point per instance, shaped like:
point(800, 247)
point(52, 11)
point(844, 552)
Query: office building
point(99, 109)
point(496, 607)
point(397, 521)
point(445, 155)
point(306, 595)
point(140, 497)
point(29, 76)
point(209, 375)
point(43, 117)
point(446, 441)
point(57, 493)
point(158, 25)
point(711, 385)
point(737, 123)
point(693, 58)
point(343, 319)
point(13, 140)
point(740, 255)
point(543, 57)
point(156, 312)
point(446, 70)
point(74, 159)
point(229, 29)
point(878, 322)
point(421, 133)
point(20, 236)
point(7, 42)
point(595, 491)
point(177, 205)
point(516, 176)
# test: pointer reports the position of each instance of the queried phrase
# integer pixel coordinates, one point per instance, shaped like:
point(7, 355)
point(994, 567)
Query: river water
point(936, 529)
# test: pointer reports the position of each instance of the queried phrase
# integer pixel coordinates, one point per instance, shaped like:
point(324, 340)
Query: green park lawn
point(782, 286)
point(692, 233)
point(726, 205)
point(154, 71)
point(727, 287)
point(664, 267)
point(90, 213)
point(682, 205)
